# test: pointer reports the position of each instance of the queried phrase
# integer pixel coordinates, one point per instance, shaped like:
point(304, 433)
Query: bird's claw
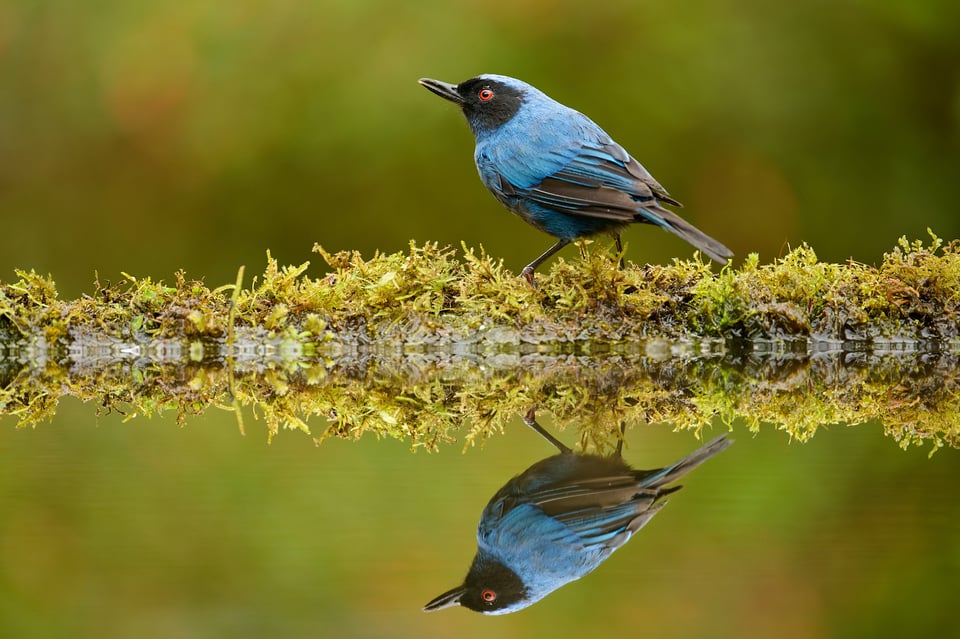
point(530, 418)
point(527, 274)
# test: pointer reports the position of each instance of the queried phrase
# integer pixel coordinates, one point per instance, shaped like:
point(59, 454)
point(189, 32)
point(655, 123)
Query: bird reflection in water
point(558, 520)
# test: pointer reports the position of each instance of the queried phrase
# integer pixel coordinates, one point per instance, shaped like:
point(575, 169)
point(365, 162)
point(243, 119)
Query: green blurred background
point(147, 137)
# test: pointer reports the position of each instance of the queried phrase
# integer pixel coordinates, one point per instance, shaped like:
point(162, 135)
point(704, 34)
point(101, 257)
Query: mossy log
point(412, 344)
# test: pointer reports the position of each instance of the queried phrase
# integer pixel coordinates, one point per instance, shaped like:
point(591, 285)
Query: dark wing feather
point(599, 507)
point(603, 181)
point(602, 187)
point(562, 194)
point(605, 514)
point(610, 165)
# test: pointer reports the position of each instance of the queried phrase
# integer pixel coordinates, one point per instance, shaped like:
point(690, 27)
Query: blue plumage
point(558, 521)
point(557, 169)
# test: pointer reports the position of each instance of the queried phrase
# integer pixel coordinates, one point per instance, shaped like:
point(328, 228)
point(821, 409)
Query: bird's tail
point(677, 470)
point(672, 222)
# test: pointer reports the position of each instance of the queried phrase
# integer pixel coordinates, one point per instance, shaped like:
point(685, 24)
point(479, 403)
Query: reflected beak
point(445, 90)
point(448, 599)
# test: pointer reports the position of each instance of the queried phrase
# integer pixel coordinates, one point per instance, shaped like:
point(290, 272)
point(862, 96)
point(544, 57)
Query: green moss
point(432, 344)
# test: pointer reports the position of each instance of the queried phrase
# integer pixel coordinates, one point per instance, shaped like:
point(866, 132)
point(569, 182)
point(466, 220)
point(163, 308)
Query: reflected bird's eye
point(488, 595)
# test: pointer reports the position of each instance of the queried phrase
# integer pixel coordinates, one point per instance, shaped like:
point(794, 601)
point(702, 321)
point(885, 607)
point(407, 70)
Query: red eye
point(485, 95)
point(488, 595)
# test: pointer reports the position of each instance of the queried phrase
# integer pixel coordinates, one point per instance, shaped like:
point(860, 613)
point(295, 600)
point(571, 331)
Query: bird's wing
point(600, 511)
point(601, 162)
point(602, 180)
point(569, 164)
point(596, 501)
point(611, 528)
point(564, 162)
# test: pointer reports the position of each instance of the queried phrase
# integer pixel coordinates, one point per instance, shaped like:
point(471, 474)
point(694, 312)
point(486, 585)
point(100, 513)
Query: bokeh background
point(146, 137)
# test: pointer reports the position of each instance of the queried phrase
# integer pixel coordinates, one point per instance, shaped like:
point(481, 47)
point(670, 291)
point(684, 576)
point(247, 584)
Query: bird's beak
point(448, 599)
point(445, 90)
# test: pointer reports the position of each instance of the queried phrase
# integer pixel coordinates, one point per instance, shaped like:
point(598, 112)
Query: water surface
point(118, 527)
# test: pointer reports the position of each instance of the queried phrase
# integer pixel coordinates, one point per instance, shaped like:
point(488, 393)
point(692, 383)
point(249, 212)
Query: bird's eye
point(488, 595)
point(485, 95)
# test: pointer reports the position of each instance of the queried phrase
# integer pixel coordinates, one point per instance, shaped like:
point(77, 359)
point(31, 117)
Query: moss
point(432, 344)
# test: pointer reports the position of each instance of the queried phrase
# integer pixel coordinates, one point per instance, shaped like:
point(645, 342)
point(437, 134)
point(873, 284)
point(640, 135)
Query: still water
point(119, 527)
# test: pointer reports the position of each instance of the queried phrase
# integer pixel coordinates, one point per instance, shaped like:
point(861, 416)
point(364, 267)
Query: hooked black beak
point(445, 90)
point(451, 597)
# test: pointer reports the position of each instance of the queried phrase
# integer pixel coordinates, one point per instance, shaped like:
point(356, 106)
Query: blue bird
point(558, 170)
point(558, 521)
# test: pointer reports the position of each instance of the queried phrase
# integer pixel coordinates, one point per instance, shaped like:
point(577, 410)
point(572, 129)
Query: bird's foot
point(527, 274)
point(530, 418)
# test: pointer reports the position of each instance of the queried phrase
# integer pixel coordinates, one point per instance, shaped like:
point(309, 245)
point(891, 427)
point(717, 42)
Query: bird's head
point(488, 100)
point(490, 588)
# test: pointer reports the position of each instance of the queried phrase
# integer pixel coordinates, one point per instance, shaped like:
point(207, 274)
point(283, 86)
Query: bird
point(558, 170)
point(559, 520)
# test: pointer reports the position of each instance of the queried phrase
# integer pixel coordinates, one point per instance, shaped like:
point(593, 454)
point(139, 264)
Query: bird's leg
point(527, 272)
point(619, 249)
point(623, 433)
point(530, 419)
